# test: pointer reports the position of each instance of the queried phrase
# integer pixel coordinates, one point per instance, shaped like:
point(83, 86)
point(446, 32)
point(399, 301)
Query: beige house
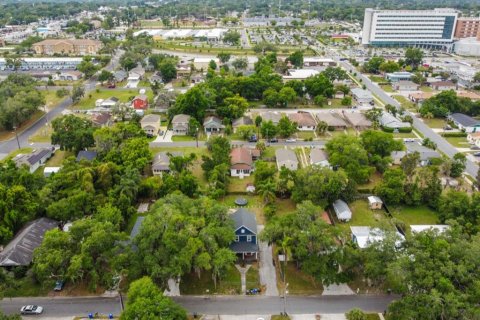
point(150, 124)
point(67, 46)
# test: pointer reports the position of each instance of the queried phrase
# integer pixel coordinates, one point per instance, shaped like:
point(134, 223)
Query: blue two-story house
point(246, 242)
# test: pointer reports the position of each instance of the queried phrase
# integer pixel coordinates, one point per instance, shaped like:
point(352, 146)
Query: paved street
point(233, 305)
point(11, 145)
point(280, 143)
point(426, 131)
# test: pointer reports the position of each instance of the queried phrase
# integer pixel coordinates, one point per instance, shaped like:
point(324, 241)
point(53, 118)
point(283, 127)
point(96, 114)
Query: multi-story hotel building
point(394, 28)
point(67, 46)
point(467, 27)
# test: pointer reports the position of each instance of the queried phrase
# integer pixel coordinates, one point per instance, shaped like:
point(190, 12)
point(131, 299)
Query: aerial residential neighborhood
point(239, 160)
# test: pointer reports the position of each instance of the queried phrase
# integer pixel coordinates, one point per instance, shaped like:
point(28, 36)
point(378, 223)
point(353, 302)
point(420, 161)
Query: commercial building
point(394, 28)
point(67, 46)
point(44, 64)
point(467, 27)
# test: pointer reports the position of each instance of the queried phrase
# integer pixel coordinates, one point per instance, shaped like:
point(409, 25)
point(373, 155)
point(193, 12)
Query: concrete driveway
point(268, 275)
point(167, 137)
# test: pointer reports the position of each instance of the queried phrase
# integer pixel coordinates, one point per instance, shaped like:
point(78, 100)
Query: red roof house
point(140, 102)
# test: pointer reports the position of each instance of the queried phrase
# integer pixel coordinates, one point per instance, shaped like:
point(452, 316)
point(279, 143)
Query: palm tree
point(267, 191)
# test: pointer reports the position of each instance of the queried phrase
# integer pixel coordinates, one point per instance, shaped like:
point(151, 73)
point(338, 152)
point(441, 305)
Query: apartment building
point(54, 63)
point(67, 46)
point(394, 28)
point(467, 27)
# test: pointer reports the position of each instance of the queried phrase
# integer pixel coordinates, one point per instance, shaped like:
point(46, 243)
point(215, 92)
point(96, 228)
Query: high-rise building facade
point(467, 27)
point(394, 28)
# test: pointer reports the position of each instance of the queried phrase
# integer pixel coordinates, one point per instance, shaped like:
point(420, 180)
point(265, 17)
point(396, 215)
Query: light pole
point(16, 136)
point(196, 136)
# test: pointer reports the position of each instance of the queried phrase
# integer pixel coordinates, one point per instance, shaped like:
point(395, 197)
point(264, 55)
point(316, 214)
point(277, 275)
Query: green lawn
point(58, 158)
point(255, 204)
point(426, 89)
point(377, 78)
point(459, 142)
point(435, 122)
point(362, 215)
point(124, 95)
point(229, 284)
point(415, 215)
point(375, 179)
point(305, 135)
point(239, 185)
point(253, 278)
point(269, 152)
point(51, 99)
point(387, 88)
point(404, 101)
point(299, 283)
point(188, 138)
point(43, 134)
point(26, 287)
point(12, 154)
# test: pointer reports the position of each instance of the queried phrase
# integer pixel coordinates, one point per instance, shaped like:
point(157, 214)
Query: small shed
point(342, 210)
point(375, 203)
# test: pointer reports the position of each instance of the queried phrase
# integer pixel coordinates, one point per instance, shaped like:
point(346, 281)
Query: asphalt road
point(426, 131)
point(11, 145)
point(232, 305)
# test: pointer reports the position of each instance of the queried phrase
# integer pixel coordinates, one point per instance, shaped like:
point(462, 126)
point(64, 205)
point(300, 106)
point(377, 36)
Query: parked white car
point(31, 309)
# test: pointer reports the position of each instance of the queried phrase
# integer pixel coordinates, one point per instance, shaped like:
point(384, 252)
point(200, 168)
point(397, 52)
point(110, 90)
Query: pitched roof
point(342, 210)
point(101, 118)
point(161, 161)
point(273, 116)
point(362, 94)
point(87, 155)
point(304, 119)
point(242, 121)
point(150, 119)
point(19, 252)
point(76, 42)
point(333, 119)
point(390, 121)
point(181, 118)
point(243, 217)
point(31, 158)
point(464, 120)
point(141, 97)
point(357, 119)
point(425, 153)
point(213, 121)
point(241, 156)
point(443, 84)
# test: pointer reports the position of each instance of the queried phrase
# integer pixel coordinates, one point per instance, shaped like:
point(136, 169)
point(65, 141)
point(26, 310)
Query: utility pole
point(16, 136)
point(196, 136)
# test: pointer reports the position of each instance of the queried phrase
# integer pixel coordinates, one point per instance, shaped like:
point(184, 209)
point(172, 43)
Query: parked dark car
point(253, 138)
point(59, 285)
point(273, 140)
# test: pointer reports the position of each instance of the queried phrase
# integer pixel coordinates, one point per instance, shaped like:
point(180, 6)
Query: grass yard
point(26, 287)
point(124, 95)
point(58, 157)
point(458, 142)
point(426, 89)
point(375, 179)
point(415, 215)
point(51, 99)
point(279, 317)
point(285, 206)
point(229, 284)
point(387, 88)
point(255, 205)
point(305, 135)
point(12, 154)
point(299, 283)
point(269, 152)
point(362, 215)
point(239, 185)
point(43, 134)
point(377, 78)
point(253, 278)
point(435, 122)
point(201, 137)
point(404, 101)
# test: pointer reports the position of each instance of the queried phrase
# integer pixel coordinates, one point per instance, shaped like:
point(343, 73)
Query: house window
point(243, 230)
point(249, 238)
point(238, 171)
point(237, 238)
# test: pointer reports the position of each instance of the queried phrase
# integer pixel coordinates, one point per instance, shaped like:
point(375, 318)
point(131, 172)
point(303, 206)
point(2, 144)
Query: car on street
point(273, 140)
point(253, 138)
point(59, 285)
point(31, 309)
point(477, 154)
point(291, 140)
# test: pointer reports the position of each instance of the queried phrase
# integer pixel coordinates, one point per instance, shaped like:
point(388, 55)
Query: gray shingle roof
point(243, 217)
point(19, 252)
point(464, 120)
point(243, 247)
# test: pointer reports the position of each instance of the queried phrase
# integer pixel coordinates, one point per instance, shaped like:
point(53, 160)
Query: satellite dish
point(142, 91)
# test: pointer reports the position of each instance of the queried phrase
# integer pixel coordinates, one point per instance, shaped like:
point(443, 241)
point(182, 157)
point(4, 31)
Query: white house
point(365, 236)
point(440, 228)
point(34, 159)
point(342, 211)
point(361, 96)
point(464, 122)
